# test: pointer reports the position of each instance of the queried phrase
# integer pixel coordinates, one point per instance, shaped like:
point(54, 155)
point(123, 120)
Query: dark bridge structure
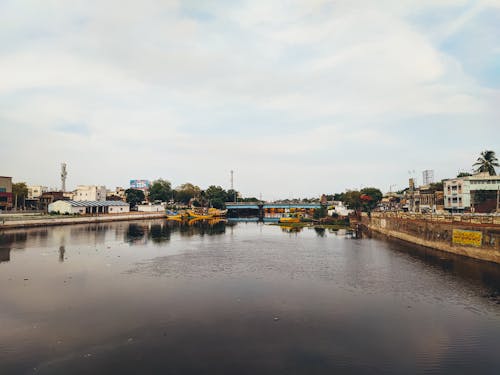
point(261, 209)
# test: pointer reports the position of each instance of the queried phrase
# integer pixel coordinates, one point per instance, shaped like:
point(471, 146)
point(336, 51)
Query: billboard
point(140, 184)
point(467, 237)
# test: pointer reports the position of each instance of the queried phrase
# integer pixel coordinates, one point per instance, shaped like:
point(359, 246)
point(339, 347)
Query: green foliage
point(339, 197)
point(436, 186)
point(487, 162)
point(231, 195)
point(216, 196)
point(463, 174)
point(20, 190)
point(320, 212)
point(160, 190)
point(186, 192)
point(366, 199)
point(134, 196)
point(351, 199)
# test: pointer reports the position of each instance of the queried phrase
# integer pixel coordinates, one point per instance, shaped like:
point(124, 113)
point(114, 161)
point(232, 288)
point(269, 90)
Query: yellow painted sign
point(467, 237)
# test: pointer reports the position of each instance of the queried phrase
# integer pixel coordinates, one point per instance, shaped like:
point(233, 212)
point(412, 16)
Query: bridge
point(261, 208)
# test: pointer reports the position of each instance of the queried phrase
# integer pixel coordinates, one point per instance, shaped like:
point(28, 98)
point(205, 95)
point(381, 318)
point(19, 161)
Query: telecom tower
point(64, 173)
point(428, 176)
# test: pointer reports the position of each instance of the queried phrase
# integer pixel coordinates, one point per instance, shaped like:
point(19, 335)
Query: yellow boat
point(195, 215)
point(216, 212)
point(291, 218)
point(176, 216)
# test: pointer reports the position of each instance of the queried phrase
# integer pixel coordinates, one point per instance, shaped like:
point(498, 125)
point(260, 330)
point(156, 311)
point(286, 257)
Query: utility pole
point(232, 186)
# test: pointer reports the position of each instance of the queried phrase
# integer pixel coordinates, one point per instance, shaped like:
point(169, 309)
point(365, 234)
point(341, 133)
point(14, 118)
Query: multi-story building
point(36, 191)
point(90, 193)
point(477, 193)
point(5, 193)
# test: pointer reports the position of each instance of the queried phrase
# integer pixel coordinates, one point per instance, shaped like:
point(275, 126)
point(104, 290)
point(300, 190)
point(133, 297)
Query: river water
point(247, 298)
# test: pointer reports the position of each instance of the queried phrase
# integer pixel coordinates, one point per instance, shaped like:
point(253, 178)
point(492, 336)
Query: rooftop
point(96, 203)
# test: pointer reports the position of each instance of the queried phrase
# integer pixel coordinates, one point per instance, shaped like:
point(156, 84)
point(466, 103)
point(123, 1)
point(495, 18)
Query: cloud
point(188, 91)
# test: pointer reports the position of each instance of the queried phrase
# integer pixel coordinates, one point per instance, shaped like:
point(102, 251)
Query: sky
point(299, 98)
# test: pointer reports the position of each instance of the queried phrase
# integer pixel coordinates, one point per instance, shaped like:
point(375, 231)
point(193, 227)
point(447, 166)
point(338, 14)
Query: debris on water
point(276, 318)
point(130, 339)
point(26, 279)
point(88, 355)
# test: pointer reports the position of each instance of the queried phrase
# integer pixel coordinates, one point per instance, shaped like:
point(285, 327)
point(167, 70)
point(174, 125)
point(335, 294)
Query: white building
point(150, 208)
point(89, 207)
point(457, 191)
point(339, 209)
point(90, 193)
point(36, 191)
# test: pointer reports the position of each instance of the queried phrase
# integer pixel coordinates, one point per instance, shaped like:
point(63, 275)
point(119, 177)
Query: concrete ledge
point(79, 220)
point(482, 254)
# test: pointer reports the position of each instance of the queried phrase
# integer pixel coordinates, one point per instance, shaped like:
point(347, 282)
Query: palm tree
point(487, 162)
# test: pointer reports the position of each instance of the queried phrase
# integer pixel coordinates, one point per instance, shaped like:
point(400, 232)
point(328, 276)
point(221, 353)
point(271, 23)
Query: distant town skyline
point(298, 98)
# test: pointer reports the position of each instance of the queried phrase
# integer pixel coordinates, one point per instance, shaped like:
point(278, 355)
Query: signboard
point(140, 184)
point(467, 237)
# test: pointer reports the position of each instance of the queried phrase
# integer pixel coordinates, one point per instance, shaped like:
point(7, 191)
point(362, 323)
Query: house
point(476, 193)
point(90, 193)
point(89, 207)
point(5, 193)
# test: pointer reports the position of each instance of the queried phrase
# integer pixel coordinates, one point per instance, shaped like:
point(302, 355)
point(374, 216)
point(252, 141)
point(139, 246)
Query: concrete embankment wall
point(49, 221)
point(442, 232)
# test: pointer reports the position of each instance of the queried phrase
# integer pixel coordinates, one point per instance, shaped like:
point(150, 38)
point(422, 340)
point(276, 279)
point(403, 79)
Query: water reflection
point(62, 250)
point(311, 302)
point(290, 229)
point(320, 231)
point(159, 232)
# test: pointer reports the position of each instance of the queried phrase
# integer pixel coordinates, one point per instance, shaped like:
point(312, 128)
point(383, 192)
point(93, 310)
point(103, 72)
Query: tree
point(186, 192)
point(217, 196)
point(20, 192)
point(134, 196)
point(436, 186)
point(160, 190)
point(487, 162)
point(352, 199)
point(463, 174)
point(232, 195)
point(370, 197)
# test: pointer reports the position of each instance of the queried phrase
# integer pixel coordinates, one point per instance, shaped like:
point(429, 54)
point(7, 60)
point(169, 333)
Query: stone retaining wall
point(50, 221)
point(436, 231)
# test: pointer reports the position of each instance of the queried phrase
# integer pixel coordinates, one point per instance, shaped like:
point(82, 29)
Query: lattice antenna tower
point(428, 176)
point(64, 174)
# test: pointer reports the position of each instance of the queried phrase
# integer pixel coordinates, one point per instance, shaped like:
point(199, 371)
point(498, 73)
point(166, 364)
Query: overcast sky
point(297, 97)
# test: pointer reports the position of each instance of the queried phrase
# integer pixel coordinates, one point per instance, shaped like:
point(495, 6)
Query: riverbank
point(473, 237)
point(312, 225)
point(51, 220)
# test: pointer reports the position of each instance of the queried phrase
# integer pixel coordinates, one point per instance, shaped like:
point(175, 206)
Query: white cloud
point(258, 86)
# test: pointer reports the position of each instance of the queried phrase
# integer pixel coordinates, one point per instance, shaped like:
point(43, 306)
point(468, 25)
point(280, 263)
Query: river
point(246, 298)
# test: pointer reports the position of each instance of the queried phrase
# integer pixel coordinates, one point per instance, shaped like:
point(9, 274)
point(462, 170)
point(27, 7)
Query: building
point(90, 193)
point(428, 200)
point(5, 193)
point(36, 191)
point(476, 193)
point(150, 208)
point(89, 207)
point(117, 195)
